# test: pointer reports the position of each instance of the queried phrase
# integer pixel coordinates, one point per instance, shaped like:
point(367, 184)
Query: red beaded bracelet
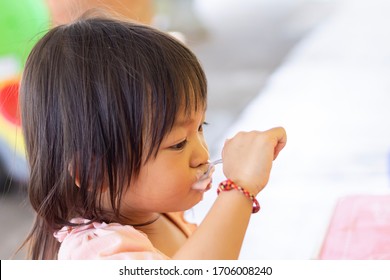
point(229, 185)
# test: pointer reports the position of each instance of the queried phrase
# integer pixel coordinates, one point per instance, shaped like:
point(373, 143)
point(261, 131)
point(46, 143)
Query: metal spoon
point(211, 165)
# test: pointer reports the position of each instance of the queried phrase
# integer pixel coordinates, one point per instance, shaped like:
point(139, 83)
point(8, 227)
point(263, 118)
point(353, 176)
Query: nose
point(200, 154)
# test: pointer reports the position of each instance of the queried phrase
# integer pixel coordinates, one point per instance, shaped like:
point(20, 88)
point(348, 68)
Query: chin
point(198, 197)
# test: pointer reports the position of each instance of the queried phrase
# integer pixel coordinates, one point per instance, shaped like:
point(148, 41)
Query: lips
point(204, 180)
point(209, 185)
point(202, 185)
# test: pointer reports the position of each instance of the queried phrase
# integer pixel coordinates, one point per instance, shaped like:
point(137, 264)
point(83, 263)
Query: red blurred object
point(9, 102)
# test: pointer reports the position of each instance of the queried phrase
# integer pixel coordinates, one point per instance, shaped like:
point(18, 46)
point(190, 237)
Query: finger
point(280, 139)
point(278, 148)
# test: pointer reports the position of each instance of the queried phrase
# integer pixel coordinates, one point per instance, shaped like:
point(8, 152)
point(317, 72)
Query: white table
point(332, 95)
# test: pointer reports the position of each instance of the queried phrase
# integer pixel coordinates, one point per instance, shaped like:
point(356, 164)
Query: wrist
point(250, 187)
point(229, 185)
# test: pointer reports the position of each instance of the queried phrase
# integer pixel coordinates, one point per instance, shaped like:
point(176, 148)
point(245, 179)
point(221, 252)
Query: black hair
point(97, 98)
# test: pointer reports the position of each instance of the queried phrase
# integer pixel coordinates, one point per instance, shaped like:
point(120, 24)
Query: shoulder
point(104, 241)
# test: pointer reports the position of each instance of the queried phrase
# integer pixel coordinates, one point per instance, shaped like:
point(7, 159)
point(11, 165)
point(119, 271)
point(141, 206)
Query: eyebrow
point(189, 118)
point(184, 122)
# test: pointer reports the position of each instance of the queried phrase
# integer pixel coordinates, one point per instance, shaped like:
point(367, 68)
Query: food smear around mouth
point(204, 181)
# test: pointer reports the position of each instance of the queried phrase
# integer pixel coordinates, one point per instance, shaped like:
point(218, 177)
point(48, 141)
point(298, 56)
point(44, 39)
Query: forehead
point(187, 118)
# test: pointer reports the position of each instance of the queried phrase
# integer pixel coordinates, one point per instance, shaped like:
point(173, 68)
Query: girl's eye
point(200, 129)
point(179, 146)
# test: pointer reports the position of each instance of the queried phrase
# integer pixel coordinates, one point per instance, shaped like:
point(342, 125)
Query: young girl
point(113, 116)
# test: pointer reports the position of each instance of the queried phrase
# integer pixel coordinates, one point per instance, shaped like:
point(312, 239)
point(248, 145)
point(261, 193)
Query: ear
point(74, 173)
point(73, 170)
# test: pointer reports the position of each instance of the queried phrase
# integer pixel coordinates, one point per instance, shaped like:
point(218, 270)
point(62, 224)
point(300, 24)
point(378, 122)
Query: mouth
point(202, 185)
point(209, 185)
point(204, 181)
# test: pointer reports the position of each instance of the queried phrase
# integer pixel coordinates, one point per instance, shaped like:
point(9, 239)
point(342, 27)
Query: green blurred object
point(22, 23)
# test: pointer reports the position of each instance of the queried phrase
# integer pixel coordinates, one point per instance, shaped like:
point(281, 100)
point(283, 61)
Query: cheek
point(165, 179)
point(169, 193)
point(165, 185)
point(174, 182)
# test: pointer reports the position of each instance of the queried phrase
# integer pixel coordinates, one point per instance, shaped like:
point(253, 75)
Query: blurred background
point(319, 68)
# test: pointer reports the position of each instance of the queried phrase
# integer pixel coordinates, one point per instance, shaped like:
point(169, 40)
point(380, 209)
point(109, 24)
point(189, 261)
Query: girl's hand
point(248, 156)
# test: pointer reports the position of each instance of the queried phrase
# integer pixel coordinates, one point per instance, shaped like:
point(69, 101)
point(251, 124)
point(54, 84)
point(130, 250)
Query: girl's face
point(165, 183)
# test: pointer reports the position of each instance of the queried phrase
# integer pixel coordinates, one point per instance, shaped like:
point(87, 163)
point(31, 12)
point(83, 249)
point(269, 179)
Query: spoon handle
point(216, 162)
point(212, 164)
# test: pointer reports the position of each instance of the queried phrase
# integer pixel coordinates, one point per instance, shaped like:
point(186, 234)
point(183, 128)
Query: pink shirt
point(110, 241)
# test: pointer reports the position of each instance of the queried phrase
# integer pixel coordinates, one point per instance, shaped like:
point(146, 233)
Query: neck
point(140, 220)
point(147, 223)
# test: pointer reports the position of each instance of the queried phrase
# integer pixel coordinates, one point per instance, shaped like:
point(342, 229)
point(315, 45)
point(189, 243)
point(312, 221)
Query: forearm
point(222, 232)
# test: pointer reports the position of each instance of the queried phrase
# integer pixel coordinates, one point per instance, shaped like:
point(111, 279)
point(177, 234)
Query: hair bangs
point(174, 82)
